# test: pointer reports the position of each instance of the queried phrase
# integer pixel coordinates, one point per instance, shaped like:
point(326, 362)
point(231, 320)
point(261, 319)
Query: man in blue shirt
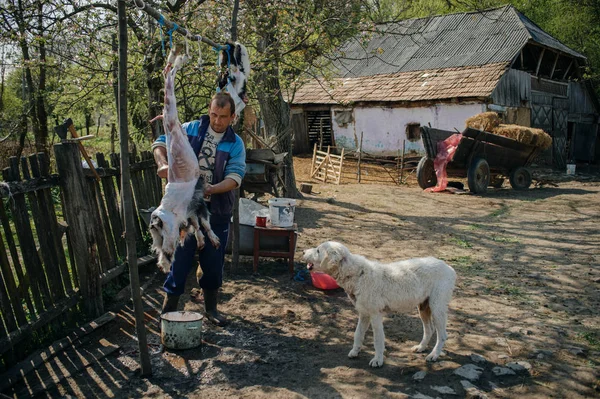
point(222, 160)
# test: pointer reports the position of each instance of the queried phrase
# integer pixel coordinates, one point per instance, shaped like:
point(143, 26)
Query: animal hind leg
point(211, 234)
point(425, 314)
point(359, 334)
point(197, 232)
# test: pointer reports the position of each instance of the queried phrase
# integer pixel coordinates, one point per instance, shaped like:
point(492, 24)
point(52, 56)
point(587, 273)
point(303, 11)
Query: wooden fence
point(62, 239)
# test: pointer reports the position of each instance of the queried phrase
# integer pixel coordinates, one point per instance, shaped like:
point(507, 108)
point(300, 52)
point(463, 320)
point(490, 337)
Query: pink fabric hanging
point(445, 153)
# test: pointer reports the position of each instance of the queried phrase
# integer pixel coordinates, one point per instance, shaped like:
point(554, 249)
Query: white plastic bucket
point(570, 168)
point(281, 211)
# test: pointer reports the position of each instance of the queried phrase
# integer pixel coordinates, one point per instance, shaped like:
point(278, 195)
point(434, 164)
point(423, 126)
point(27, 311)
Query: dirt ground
point(527, 296)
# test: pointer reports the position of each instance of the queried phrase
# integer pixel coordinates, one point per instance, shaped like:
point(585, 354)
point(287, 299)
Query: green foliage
point(288, 41)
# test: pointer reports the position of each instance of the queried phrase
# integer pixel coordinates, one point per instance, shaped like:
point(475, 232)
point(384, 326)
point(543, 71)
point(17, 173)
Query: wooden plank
point(77, 210)
point(48, 280)
point(314, 157)
point(9, 188)
point(112, 205)
point(20, 370)
point(46, 317)
point(56, 233)
point(7, 279)
point(16, 262)
point(150, 181)
point(537, 70)
point(8, 316)
point(568, 69)
point(137, 187)
point(65, 365)
point(339, 177)
point(44, 220)
point(98, 226)
point(31, 260)
point(112, 250)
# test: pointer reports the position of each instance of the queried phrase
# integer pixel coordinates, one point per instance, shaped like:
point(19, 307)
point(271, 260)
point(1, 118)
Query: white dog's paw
point(376, 361)
point(432, 357)
point(353, 353)
point(419, 348)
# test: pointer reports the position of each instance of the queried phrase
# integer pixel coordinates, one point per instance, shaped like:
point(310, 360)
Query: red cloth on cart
point(445, 152)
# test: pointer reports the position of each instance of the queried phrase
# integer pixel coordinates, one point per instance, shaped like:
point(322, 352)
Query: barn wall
point(513, 89)
point(384, 129)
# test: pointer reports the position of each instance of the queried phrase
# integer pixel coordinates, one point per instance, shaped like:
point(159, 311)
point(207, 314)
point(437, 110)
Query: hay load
point(490, 122)
point(516, 132)
point(485, 121)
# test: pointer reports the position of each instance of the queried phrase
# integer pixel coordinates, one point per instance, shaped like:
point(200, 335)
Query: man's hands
point(160, 157)
point(226, 185)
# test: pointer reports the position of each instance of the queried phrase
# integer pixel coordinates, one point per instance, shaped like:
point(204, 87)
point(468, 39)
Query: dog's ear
point(335, 256)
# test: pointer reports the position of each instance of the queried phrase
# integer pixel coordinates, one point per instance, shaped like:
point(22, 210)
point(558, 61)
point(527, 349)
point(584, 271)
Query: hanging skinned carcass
point(183, 202)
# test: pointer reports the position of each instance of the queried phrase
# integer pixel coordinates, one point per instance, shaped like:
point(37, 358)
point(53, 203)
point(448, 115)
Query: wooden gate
point(326, 165)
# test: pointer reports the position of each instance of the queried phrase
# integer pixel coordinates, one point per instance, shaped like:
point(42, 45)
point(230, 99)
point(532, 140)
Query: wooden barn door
point(541, 117)
point(560, 113)
point(319, 128)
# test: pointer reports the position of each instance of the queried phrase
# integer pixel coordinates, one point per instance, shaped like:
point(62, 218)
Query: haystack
point(541, 139)
point(485, 121)
point(521, 134)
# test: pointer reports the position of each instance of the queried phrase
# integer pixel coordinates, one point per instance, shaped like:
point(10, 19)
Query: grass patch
point(461, 242)
point(499, 212)
point(505, 289)
point(591, 338)
point(511, 240)
point(474, 226)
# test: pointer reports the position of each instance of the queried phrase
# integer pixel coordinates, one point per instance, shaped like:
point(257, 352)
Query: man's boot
point(211, 297)
point(170, 303)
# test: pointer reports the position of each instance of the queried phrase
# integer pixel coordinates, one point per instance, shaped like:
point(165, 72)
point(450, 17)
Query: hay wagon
point(485, 159)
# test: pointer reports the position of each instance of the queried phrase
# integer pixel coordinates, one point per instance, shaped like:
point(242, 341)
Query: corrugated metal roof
point(433, 84)
point(445, 41)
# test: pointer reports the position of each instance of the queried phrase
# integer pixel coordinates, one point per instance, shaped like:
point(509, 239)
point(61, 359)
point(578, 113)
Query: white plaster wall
point(384, 129)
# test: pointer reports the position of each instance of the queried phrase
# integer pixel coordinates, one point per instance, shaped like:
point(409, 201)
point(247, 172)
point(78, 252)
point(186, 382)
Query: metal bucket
point(181, 330)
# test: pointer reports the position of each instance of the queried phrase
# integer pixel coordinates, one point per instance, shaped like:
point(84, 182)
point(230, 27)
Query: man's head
point(221, 112)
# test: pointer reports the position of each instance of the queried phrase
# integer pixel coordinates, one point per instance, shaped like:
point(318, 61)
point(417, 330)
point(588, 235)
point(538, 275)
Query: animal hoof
point(376, 362)
point(353, 353)
point(419, 348)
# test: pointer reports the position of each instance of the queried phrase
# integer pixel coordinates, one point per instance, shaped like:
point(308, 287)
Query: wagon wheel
point(496, 181)
point(478, 176)
point(426, 173)
point(520, 178)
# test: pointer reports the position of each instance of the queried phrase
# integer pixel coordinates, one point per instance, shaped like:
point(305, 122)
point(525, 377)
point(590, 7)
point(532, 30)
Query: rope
point(200, 53)
point(161, 22)
point(170, 33)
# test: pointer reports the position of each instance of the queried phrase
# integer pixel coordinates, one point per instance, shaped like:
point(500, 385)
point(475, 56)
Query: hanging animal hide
point(183, 202)
point(234, 70)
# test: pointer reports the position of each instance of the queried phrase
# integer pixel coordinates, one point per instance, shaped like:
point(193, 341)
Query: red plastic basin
point(323, 281)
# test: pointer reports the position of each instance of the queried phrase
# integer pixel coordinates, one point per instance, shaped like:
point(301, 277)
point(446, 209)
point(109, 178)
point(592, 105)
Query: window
point(413, 131)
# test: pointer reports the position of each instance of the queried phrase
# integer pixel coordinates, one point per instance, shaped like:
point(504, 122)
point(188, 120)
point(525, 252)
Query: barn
point(441, 70)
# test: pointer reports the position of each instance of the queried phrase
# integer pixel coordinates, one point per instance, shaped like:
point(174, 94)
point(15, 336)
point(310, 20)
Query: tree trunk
point(275, 111)
point(88, 122)
point(41, 139)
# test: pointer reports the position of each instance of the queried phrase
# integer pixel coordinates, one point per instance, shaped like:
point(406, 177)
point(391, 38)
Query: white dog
point(374, 288)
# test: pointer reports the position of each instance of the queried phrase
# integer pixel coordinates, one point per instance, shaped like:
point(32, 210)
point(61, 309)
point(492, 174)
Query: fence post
point(79, 217)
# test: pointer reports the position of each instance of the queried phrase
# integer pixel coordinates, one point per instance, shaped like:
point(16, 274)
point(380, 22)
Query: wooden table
point(270, 230)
